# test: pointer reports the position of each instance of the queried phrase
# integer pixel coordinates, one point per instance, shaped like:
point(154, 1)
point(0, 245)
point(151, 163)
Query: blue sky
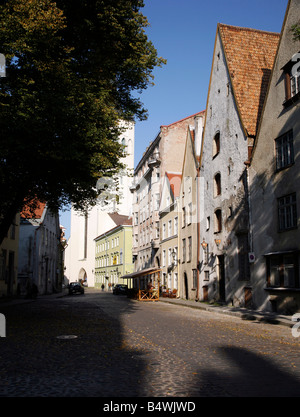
point(183, 32)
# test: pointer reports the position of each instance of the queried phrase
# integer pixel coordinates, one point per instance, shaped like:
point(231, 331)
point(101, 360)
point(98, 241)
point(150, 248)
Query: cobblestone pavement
point(124, 348)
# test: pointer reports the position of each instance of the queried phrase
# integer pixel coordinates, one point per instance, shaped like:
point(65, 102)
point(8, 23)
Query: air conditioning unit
point(251, 257)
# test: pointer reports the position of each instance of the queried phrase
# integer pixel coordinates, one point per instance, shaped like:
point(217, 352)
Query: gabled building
point(188, 236)
point(275, 181)
point(40, 251)
point(9, 252)
point(242, 63)
point(169, 224)
point(164, 154)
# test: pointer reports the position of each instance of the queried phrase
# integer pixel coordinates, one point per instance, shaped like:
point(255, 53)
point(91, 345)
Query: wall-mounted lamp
point(218, 242)
point(204, 244)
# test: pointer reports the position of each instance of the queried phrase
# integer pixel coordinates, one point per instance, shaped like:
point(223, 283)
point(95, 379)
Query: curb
point(243, 314)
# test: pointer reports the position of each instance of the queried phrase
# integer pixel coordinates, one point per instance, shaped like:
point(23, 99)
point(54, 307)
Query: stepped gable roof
point(250, 55)
point(37, 213)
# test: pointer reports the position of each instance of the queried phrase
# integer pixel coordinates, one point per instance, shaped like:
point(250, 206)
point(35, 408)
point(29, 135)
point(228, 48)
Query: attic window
point(292, 80)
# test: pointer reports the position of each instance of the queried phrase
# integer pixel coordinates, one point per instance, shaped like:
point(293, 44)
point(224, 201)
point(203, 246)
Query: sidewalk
point(243, 313)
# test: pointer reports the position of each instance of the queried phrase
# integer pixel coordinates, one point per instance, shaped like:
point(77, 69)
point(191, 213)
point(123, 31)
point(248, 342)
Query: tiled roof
point(120, 219)
point(250, 55)
point(202, 112)
point(37, 213)
point(175, 181)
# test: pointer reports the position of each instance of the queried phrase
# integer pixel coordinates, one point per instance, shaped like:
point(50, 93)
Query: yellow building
point(113, 257)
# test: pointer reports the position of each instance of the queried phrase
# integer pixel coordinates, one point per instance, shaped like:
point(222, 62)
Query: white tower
point(80, 252)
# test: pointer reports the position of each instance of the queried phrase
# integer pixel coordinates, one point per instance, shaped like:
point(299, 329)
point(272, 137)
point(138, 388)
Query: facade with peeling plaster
point(230, 128)
point(275, 183)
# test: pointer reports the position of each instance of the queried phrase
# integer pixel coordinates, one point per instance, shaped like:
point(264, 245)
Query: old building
point(275, 181)
point(189, 212)
point(242, 62)
point(113, 256)
point(9, 260)
point(164, 154)
point(80, 252)
point(169, 224)
point(39, 251)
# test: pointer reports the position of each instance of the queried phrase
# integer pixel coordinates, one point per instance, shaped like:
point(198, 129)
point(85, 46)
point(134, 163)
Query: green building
point(113, 257)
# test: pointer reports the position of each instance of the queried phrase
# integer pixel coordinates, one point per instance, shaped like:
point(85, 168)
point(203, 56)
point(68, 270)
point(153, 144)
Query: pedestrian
point(102, 286)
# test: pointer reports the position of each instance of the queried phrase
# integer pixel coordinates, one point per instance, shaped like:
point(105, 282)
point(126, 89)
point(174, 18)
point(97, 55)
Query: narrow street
point(125, 348)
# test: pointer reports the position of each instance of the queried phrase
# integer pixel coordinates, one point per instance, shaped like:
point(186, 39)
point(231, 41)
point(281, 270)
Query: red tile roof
point(35, 213)
point(175, 181)
point(250, 55)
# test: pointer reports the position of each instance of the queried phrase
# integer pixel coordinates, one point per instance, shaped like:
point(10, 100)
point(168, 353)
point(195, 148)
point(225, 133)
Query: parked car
point(120, 289)
point(75, 287)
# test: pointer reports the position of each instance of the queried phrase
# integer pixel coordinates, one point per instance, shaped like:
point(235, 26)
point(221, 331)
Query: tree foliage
point(73, 68)
point(296, 31)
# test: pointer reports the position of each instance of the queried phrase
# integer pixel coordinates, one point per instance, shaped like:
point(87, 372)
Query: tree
point(296, 31)
point(72, 71)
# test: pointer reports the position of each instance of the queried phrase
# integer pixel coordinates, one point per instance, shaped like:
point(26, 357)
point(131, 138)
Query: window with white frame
point(169, 228)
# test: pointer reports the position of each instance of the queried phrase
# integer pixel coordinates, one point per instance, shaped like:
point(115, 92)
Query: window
point(189, 249)
point(206, 275)
point(176, 280)
point(287, 212)
point(292, 81)
point(157, 230)
point(216, 144)
point(157, 201)
point(164, 258)
point(190, 218)
point(218, 221)
point(176, 226)
point(195, 280)
point(183, 250)
point(164, 231)
point(283, 270)
point(208, 223)
point(169, 228)
point(169, 256)
point(183, 217)
point(217, 185)
point(284, 150)
point(175, 258)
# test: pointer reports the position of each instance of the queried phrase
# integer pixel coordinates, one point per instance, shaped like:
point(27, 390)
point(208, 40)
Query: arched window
point(216, 144)
point(218, 221)
point(217, 184)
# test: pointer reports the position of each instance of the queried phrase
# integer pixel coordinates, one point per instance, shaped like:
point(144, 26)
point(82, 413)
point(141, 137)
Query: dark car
point(75, 287)
point(120, 289)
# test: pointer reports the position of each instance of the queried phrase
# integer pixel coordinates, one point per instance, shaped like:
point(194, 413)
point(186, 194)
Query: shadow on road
point(250, 376)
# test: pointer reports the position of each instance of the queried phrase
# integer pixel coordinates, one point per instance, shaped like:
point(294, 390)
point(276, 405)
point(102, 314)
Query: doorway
point(186, 290)
point(221, 277)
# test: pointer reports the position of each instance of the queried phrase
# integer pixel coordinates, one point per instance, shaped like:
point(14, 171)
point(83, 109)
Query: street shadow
point(71, 347)
point(250, 375)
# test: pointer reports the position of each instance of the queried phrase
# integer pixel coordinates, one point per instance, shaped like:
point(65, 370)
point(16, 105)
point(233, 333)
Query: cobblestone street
point(125, 348)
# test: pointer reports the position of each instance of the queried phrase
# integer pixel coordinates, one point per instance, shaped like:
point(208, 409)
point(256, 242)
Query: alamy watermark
point(2, 325)
point(296, 67)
